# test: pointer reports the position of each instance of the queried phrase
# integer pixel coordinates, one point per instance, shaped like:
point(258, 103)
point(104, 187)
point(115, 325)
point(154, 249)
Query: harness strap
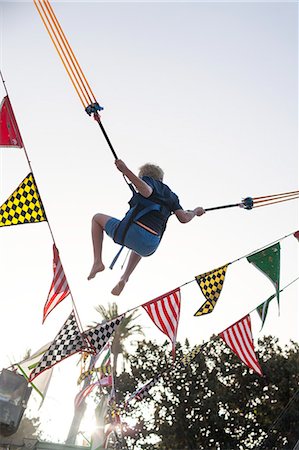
point(146, 210)
point(132, 216)
point(116, 257)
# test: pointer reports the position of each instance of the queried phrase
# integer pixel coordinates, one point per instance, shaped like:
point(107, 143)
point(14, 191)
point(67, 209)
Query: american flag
point(239, 338)
point(59, 288)
point(165, 313)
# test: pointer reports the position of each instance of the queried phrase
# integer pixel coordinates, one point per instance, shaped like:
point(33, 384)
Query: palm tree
point(123, 332)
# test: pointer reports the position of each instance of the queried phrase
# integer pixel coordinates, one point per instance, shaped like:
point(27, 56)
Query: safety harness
point(139, 207)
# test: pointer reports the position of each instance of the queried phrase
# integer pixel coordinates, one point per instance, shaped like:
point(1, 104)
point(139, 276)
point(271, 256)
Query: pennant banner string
point(248, 254)
point(192, 354)
point(49, 226)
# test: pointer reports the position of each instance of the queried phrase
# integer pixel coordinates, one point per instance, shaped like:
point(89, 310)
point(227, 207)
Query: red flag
point(59, 288)
point(9, 132)
point(165, 313)
point(296, 235)
point(239, 338)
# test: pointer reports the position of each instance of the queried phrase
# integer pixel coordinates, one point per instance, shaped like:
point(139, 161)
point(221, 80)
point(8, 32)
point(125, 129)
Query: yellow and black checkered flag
point(23, 206)
point(211, 284)
point(191, 355)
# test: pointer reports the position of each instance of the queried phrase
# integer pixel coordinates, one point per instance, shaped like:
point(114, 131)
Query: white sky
point(206, 90)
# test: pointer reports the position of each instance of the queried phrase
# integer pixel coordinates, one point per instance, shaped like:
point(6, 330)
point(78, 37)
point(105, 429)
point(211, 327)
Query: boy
point(143, 226)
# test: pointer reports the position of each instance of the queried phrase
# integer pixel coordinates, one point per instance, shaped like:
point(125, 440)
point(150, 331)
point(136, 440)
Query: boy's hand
point(121, 166)
point(199, 211)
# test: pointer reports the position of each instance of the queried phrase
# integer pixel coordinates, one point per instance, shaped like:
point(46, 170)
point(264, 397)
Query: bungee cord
point(92, 107)
point(256, 202)
point(65, 52)
point(71, 65)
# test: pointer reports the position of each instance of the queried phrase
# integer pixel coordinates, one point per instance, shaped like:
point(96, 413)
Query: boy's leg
point(132, 263)
point(97, 233)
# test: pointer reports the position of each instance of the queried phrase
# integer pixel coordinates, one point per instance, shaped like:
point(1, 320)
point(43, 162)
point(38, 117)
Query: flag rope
point(47, 220)
point(192, 281)
point(193, 353)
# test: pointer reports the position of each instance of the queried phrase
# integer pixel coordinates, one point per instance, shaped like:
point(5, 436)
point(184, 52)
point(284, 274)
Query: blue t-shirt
point(163, 195)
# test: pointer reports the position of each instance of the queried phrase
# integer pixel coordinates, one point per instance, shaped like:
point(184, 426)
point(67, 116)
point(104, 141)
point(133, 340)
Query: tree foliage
point(215, 402)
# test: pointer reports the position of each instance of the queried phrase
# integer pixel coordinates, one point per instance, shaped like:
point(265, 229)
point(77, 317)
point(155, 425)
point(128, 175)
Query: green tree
point(215, 402)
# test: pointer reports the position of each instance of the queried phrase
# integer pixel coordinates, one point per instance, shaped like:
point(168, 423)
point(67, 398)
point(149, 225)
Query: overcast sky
point(206, 90)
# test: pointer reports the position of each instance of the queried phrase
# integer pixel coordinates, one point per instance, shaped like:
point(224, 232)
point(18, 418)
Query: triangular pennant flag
point(100, 335)
point(268, 261)
point(239, 338)
point(105, 363)
point(296, 235)
point(84, 393)
point(23, 206)
point(106, 381)
point(191, 355)
point(59, 288)
point(68, 341)
point(165, 313)
point(262, 309)
point(143, 391)
point(25, 367)
point(9, 132)
point(211, 284)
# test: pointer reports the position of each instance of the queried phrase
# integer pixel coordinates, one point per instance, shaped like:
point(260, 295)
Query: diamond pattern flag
point(68, 341)
point(239, 338)
point(23, 206)
point(59, 288)
point(165, 313)
point(211, 284)
point(268, 261)
point(262, 309)
point(99, 336)
point(9, 132)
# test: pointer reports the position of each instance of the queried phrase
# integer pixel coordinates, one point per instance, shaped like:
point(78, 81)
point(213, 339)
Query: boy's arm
point(185, 216)
point(142, 187)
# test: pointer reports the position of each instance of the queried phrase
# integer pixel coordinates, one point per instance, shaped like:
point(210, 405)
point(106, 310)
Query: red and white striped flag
point(59, 288)
point(165, 313)
point(84, 393)
point(239, 338)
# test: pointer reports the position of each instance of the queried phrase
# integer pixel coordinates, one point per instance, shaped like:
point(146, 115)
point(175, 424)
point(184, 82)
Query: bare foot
point(97, 267)
point(117, 290)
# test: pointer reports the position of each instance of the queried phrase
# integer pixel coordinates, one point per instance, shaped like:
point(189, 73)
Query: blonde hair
point(151, 170)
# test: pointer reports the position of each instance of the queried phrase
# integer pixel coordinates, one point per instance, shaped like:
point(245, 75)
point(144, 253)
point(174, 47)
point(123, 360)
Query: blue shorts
point(137, 238)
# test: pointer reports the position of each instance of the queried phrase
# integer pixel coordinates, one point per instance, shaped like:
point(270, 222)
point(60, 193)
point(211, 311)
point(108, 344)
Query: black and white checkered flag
point(68, 341)
point(99, 336)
